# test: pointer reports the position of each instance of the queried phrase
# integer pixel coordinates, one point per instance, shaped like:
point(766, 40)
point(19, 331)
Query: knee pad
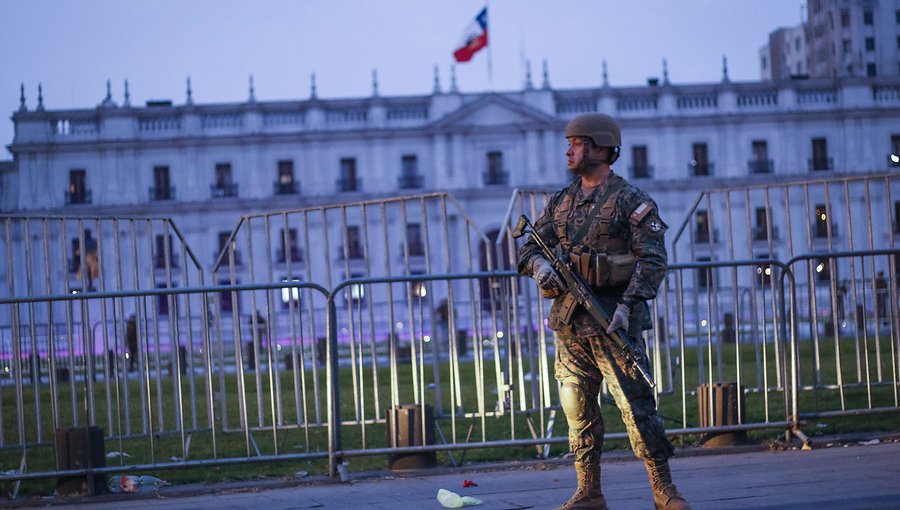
point(579, 403)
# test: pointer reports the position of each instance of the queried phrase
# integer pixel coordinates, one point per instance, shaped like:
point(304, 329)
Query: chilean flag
point(475, 38)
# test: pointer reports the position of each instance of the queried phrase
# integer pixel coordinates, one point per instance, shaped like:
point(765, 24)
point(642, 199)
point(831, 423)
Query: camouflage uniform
point(583, 349)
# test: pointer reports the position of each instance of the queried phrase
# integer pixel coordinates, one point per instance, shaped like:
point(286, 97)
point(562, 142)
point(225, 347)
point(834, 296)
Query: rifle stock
point(579, 293)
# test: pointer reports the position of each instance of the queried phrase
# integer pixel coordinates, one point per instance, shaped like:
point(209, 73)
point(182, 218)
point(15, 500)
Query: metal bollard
point(404, 428)
point(724, 404)
point(80, 448)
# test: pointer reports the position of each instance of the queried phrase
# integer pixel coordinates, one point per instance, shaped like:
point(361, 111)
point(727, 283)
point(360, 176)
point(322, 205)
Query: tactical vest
point(607, 262)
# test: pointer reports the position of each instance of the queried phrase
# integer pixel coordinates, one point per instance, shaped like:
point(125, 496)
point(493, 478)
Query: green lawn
point(161, 441)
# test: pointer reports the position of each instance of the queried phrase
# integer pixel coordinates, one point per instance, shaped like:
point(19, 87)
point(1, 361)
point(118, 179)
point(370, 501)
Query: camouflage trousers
point(592, 360)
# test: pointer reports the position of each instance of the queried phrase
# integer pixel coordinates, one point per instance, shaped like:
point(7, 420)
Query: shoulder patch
point(640, 212)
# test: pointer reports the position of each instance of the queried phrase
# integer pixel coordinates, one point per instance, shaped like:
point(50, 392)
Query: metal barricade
point(164, 400)
point(837, 236)
point(299, 344)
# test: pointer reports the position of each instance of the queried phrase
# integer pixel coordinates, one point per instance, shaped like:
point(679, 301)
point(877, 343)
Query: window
point(226, 298)
point(223, 174)
point(871, 69)
point(898, 42)
point(821, 222)
point(845, 18)
point(846, 47)
point(224, 235)
point(822, 269)
point(354, 248)
point(164, 254)
point(867, 17)
point(285, 185)
point(704, 274)
point(897, 217)
point(897, 16)
point(162, 300)
point(760, 164)
point(224, 187)
point(896, 258)
point(894, 156)
point(90, 255)
point(495, 173)
point(78, 192)
point(409, 172)
point(820, 159)
point(75, 261)
point(701, 227)
point(699, 164)
point(639, 167)
point(348, 181)
point(162, 187)
point(761, 228)
point(410, 164)
point(870, 44)
point(289, 250)
point(414, 240)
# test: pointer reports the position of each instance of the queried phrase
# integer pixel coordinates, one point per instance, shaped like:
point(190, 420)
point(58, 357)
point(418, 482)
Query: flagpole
point(490, 71)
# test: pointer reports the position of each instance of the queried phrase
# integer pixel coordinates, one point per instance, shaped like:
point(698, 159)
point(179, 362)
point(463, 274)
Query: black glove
point(546, 277)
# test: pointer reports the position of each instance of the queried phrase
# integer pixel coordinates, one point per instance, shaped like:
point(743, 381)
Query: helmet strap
point(613, 154)
point(589, 142)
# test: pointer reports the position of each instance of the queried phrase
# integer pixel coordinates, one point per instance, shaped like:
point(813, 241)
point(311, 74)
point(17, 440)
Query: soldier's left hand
point(619, 318)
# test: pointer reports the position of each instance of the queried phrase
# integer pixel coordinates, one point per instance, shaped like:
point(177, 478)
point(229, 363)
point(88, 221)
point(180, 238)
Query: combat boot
point(587, 496)
point(665, 495)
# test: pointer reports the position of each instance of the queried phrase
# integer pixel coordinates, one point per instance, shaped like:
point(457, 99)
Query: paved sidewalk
point(853, 477)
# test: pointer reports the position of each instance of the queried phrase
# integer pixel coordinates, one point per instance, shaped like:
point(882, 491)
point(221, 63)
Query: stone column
point(440, 168)
point(457, 165)
point(532, 162)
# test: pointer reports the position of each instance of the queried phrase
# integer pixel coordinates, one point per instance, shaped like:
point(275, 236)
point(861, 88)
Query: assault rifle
point(581, 293)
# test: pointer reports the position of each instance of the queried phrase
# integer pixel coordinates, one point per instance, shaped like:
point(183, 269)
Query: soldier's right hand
point(546, 277)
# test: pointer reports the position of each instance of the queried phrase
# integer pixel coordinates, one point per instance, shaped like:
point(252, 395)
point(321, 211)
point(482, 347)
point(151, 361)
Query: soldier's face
point(575, 153)
point(578, 151)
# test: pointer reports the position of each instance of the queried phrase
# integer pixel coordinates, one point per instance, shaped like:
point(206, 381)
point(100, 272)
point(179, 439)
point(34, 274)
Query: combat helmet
point(599, 127)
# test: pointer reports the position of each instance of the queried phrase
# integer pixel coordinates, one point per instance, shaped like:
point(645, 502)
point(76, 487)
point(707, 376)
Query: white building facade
point(207, 165)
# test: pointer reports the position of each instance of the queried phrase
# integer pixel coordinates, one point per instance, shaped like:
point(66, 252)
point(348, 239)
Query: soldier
point(614, 236)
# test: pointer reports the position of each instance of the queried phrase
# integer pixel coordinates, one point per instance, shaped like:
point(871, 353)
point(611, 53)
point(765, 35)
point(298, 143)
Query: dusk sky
point(73, 47)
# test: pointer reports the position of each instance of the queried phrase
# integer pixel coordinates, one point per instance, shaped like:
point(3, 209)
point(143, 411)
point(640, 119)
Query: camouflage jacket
point(643, 233)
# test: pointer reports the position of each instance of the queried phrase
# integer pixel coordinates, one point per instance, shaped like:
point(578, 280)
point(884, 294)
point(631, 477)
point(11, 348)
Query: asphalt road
point(863, 475)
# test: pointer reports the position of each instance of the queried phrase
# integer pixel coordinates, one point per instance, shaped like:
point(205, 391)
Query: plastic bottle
point(136, 483)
